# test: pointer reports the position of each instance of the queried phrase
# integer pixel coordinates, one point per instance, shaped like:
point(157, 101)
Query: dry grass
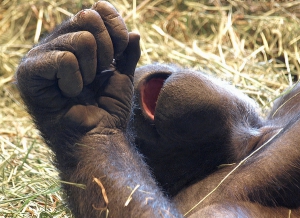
point(254, 45)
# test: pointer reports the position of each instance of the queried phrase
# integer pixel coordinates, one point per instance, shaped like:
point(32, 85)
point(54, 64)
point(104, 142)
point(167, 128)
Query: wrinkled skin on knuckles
point(79, 84)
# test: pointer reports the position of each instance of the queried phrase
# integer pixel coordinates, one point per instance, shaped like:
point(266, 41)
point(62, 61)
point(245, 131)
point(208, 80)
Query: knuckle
point(36, 51)
point(66, 61)
point(87, 39)
point(73, 42)
point(89, 20)
point(68, 75)
point(106, 10)
point(109, 14)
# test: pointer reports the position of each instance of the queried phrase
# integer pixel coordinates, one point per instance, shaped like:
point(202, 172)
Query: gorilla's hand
point(80, 76)
point(77, 85)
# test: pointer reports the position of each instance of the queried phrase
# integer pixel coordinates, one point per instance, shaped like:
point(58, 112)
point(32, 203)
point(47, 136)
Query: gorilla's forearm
point(109, 163)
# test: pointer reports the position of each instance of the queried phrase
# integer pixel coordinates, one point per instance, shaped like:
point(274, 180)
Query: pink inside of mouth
point(149, 94)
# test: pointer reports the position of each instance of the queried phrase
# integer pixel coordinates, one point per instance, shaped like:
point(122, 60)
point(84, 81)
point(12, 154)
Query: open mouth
point(149, 93)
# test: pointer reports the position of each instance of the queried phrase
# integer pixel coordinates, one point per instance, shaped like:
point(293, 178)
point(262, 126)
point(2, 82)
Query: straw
point(254, 45)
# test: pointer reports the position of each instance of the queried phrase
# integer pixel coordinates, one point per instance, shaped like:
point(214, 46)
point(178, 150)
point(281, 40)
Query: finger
point(69, 76)
point(89, 20)
point(83, 46)
point(130, 56)
point(115, 97)
point(86, 117)
point(37, 75)
point(115, 26)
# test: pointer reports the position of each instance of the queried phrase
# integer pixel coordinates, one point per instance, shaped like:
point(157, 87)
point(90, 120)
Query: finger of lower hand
point(36, 75)
point(89, 20)
point(130, 56)
point(83, 46)
point(115, 26)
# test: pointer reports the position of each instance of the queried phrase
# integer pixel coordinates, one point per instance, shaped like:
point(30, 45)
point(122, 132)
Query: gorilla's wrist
point(69, 153)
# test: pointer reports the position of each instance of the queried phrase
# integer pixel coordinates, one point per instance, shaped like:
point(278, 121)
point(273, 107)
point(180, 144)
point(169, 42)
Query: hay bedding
point(252, 44)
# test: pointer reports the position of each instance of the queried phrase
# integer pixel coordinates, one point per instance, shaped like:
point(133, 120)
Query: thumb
point(127, 62)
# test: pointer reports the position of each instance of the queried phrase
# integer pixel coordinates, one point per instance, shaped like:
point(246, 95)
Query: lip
point(149, 81)
point(149, 93)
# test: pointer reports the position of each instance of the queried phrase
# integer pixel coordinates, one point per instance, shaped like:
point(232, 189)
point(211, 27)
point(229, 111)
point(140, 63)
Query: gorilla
point(160, 140)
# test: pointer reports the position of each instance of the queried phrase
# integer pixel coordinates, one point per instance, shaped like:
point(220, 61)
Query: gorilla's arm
point(110, 161)
point(80, 100)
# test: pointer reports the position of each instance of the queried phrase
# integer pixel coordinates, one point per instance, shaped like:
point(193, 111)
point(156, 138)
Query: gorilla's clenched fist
point(80, 75)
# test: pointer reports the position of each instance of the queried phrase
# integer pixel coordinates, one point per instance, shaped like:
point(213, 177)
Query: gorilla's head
point(184, 115)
